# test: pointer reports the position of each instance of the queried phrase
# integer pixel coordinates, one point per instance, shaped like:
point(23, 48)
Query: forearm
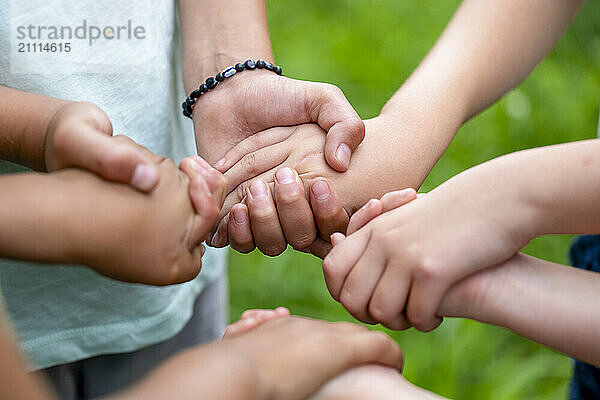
point(549, 303)
point(24, 119)
point(487, 49)
point(63, 217)
point(397, 153)
point(200, 372)
point(552, 187)
point(216, 35)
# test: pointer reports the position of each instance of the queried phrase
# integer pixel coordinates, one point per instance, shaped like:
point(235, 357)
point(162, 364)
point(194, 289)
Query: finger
point(372, 209)
point(216, 182)
point(220, 238)
point(374, 346)
point(188, 269)
point(327, 208)
point(337, 238)
point(361, 281)
point(252, 144)
point(240, 232)
point(389, 298)
point(111, 159)
point(206, 208)
point(345, 130)
point(241, 326)
point(254, 313)
point(267, 232)
point(253, 164)
point(294, 212)
point(375, 207)
point(425, 296)
point(342, 258)
point(397, 198)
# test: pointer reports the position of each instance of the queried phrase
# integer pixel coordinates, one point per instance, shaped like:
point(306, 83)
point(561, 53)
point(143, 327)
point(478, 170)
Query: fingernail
point(258, 189)
point(285, 176)
point(220, 163)
point(144, 177)
point(321, 190)
point(343, 154)
point(239, 216)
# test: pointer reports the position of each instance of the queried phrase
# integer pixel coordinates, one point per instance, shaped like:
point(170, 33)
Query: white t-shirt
point(125, 57)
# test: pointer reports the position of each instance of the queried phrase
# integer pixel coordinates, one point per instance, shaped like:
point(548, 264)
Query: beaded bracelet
point(211, 83)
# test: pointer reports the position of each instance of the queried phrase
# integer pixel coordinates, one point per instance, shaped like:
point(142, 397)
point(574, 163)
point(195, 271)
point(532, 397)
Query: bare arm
point(549, 303)
point(216, 35)
point(24, 119)
point(487, 49)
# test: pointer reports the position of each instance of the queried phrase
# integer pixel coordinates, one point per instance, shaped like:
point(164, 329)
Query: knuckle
point(302, 241)
point(356, 129)
point(248, 163)
point(332, 90)
point(263, 215)
point(419, 321)
point(330, 271)
point(242, 189)
point(348, 301)
point(380, 314)
point(273, 249)
point(290, 197)
point(428, 268)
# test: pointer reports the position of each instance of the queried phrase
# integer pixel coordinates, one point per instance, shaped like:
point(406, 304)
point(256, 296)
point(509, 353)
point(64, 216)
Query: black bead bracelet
point(211, 83)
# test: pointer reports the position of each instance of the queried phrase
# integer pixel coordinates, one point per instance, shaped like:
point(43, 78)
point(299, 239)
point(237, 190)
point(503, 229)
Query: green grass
point(369, 48)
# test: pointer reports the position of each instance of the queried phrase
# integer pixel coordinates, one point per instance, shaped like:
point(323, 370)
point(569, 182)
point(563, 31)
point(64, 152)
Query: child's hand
point(149, 238)
point(285, 213)
point(80, 135)
point(252, 102)
point(288, 358)
point(295, 356)
point(404, 261)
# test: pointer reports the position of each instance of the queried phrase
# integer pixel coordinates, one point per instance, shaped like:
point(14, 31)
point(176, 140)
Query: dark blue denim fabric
point(585, 254)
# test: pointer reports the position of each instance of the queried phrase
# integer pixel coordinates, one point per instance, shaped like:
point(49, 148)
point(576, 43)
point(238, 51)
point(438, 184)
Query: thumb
point(113, 159)
point(345, 130)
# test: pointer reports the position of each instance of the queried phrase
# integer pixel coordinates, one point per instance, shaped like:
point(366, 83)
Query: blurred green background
point(369, 48)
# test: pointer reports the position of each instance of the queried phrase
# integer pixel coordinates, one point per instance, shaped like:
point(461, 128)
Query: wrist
point(215, 37)
point(489, 296)
point(439, 101)
point(50, 125)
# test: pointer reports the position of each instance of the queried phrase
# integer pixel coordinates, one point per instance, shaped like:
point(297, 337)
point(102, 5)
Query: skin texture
point(146, 238)
point(254, 100)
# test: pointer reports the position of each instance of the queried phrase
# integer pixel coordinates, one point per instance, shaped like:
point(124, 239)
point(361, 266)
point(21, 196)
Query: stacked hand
point(259, 100)
point(398, 268)
point(274, 357)
point(154, 237)
point(309, 201)
point(81, 135)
